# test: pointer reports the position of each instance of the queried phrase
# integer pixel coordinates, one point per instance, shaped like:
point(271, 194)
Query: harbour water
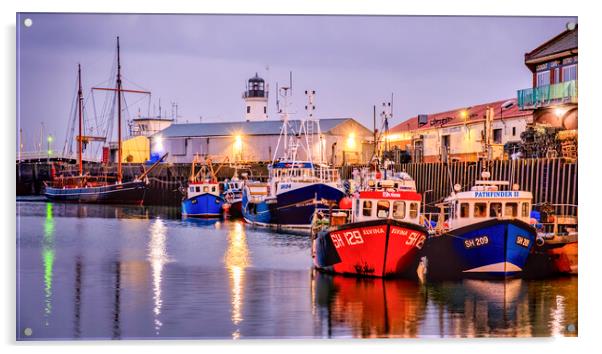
point(102, 272)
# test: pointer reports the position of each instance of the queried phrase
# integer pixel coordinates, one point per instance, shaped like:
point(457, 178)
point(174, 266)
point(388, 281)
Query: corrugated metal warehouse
point(343, 140)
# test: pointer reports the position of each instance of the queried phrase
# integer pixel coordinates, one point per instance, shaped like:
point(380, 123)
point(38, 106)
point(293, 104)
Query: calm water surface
point(96, 272)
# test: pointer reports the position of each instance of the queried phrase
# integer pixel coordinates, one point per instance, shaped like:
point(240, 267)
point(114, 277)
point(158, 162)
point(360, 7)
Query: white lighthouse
point(256, 100)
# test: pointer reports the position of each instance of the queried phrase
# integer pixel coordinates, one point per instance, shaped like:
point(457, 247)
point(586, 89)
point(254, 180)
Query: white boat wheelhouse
point(387, 199)
point(486, 201)
point(199, 188)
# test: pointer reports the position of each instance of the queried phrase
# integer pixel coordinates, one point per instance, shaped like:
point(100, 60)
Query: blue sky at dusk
point(202, 62)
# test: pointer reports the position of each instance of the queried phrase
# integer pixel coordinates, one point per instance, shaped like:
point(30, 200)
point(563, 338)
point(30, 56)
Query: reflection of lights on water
point(48, 259)
point(557, 314)
point(236, 260)
point(157, 256)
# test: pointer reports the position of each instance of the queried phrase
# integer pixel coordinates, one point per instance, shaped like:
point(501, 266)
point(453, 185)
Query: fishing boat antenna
point(284, 93)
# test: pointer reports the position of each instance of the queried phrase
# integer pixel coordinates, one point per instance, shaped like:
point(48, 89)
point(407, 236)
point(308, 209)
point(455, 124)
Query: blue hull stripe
point(203, 205)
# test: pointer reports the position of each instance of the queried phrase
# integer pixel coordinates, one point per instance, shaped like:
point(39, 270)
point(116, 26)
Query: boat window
point(511, 209)
point(382, 209)
point(399, 210)
point(198, 189)
point(213, 189)
point(495, 210)
point(205, 189)
point(480, 210)
point(357, 207)
point(191, 189)
point(413, 210)
point(367, 210)
point(464, 210)
point(525, 209)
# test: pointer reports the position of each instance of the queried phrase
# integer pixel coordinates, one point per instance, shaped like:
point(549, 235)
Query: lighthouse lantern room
point(256, 99)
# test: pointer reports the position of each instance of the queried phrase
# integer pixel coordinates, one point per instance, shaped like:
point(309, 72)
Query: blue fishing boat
point(203, 197)
point(296, 187)
point(481, 233)
point(294, 191)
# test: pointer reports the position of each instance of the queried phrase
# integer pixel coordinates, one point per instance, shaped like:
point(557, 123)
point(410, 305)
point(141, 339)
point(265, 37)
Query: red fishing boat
point(379, 235)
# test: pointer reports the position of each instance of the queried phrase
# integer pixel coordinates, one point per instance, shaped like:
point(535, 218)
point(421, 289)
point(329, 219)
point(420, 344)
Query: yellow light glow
point(394, 137)
point(464, 114)
point(158, 144)
point(238, 143)
point(351, 141)
point(157, 256)
point(559, 112)
point(236, 260)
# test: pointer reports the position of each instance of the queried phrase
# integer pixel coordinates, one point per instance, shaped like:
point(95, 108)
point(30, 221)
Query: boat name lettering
point(391, 195)
point(373, 231)
point(285, 186)
point(499, 194)
point(523, 241)
point(476, 242)
point(416, 239)
point(346, 238)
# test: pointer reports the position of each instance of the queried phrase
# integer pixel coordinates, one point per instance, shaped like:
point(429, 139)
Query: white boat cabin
point(257, 191)
point(487, 201)
point(382, 204)
point(289, 175)
point(199, 188)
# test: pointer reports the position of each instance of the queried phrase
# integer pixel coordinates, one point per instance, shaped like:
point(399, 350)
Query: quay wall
point(550, 180)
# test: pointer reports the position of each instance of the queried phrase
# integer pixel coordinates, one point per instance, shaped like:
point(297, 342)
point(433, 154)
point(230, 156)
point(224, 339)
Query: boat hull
point(203, 206)
point(235, 209)
point(124, 193)
point(490, 249)
point(375, 248)
point(293, 210)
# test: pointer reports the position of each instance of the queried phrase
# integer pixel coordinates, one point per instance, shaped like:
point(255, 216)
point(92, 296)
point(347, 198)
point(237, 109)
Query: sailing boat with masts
point(85, 188)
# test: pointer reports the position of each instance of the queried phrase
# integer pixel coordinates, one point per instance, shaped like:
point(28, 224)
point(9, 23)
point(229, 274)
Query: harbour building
point(256, 139)
point(459, 134)
point(553, 97)
point(340, 141)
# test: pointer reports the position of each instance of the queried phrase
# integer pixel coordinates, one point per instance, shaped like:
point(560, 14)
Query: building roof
point(563, 42)
point(268, 127)
point(454, 117)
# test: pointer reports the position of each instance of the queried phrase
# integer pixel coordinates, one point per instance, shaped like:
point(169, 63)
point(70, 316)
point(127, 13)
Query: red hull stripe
point(391, 195)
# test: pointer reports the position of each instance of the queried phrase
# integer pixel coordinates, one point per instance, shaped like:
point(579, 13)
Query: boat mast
point(119, 173)
point(80, 100)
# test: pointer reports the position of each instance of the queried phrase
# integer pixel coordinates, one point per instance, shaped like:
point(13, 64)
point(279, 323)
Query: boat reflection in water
point(366, 307)
point(479, 308)
point(236, 260)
